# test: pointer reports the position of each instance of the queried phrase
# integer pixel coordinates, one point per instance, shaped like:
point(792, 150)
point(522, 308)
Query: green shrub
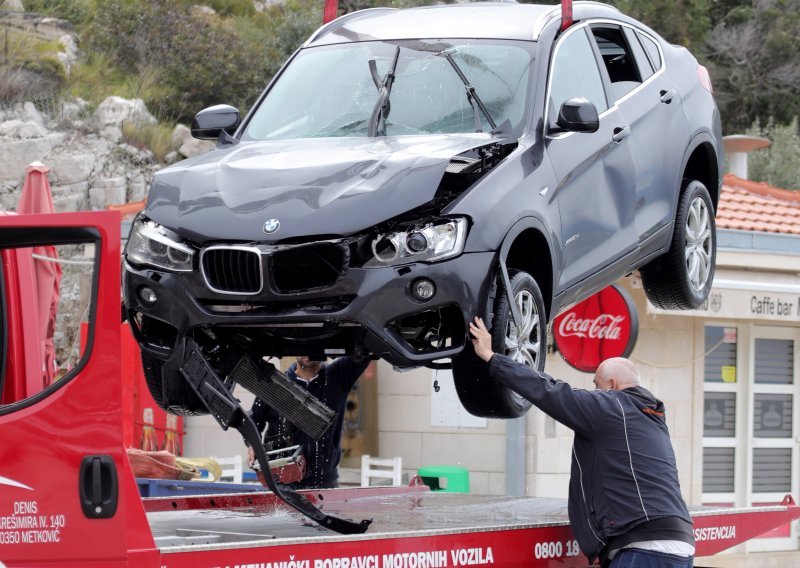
point(229, 7)
point(49, 66)
point(153, 137)
point(290, 31)
point(778, 165)
point(185, 60)
point(74, 11)
point(29, 68)
point(95, 78)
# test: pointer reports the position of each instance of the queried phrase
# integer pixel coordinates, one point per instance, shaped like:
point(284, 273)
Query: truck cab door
point(67, 495)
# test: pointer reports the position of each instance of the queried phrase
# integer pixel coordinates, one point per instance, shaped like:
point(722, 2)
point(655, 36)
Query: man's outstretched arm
point(575, 408)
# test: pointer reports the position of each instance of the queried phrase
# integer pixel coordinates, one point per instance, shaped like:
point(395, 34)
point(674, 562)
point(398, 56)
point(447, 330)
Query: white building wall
point(406, 429)
point(205, 438)
point(665, 353)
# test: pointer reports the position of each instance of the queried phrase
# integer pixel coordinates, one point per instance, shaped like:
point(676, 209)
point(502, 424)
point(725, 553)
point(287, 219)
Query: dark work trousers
point(635, 558)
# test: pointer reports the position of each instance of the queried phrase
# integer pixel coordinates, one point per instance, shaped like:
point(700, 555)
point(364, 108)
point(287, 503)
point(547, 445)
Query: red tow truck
point(68, 496)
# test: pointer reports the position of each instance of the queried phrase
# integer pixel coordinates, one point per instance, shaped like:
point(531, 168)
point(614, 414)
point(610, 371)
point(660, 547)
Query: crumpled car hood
point(326, 186)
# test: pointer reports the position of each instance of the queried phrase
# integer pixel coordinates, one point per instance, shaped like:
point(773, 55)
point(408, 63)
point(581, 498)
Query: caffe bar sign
point(732, 300)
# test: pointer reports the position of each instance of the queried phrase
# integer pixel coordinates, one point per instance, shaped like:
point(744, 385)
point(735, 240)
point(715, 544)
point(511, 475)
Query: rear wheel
point(482, 395)
point(681, 279)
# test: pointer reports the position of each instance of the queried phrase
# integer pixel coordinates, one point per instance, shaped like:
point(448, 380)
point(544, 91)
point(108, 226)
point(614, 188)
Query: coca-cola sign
point(602, 326)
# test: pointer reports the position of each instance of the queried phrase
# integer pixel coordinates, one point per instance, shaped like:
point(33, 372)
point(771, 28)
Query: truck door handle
point(667, 96)
point(621, 132)
point(98, 487)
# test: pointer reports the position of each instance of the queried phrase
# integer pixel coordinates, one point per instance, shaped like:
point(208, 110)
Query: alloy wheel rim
point(523, 341)
point(697, 251)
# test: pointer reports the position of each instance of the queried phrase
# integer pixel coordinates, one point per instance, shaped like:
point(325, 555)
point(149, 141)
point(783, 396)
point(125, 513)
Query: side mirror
point(211, 121)
point(578, 114)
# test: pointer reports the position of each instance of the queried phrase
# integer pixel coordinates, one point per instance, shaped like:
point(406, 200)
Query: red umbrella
point(36, 198)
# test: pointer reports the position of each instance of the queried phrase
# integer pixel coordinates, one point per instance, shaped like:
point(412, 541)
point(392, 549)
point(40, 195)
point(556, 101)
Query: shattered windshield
point(429, 87)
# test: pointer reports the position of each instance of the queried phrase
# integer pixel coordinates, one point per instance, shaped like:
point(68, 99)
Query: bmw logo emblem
point(271, 226)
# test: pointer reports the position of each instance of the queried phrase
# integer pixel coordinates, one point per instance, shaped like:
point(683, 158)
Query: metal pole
point(515, 456)
point(566, 14)
point(329, 12)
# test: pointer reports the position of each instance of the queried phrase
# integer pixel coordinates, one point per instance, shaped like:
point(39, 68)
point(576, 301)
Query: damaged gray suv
point(407, 170)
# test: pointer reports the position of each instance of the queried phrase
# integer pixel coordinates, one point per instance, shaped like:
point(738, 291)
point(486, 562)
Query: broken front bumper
point(367, 311)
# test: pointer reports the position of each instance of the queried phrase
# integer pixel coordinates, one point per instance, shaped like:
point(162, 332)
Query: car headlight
point(153, 245)
point(423, 243)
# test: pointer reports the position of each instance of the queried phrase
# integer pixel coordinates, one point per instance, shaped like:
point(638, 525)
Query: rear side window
point(574, 73)
point(651, 48)
point(619, 61)
point(642, 61)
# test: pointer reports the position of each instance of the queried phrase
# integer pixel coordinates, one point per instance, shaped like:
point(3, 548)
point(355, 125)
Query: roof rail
point(341, 20)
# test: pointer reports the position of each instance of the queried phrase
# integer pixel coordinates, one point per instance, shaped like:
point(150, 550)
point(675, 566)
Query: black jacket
point(624, 480)
point(331, 387)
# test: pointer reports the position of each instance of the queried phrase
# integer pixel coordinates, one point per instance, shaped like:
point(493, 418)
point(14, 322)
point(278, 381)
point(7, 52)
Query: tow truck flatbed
point(413, 527)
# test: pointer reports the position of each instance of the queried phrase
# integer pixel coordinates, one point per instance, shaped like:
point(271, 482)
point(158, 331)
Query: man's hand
point(251, 456)
point(481, 339)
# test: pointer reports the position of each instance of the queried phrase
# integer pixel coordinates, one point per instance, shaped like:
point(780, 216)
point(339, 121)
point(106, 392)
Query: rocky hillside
point(97, 154)
point(94, 154)
point(91, 163)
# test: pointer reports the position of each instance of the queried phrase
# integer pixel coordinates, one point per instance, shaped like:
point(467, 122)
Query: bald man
point(625, 503)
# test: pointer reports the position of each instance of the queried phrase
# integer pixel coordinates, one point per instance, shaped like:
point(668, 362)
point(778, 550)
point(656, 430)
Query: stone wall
point(91, 165)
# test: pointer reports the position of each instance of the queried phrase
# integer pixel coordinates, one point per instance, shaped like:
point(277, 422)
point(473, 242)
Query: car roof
point(480, 20)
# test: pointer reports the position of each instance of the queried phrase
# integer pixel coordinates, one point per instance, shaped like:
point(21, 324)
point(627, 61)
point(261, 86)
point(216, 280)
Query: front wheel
point(524, 342)
point(681, 279)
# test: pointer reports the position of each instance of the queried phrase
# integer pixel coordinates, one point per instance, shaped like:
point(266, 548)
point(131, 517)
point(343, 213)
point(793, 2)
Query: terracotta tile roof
point(756, 206)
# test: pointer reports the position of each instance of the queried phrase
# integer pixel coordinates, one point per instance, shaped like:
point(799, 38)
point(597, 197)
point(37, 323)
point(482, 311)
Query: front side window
point(334, 90)
point(575, 73)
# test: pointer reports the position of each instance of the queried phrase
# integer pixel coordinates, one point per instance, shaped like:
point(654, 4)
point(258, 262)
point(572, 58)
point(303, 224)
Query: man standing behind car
point(330, 383)
point(625, 503)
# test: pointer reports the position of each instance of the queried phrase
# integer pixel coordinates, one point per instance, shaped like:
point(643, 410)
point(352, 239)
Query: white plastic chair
point(384, 468)
point(231, 469)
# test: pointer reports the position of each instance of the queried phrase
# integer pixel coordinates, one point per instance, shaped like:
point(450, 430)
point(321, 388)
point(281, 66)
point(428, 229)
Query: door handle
point(98, 487)
point(667, 96)
point(621, 132)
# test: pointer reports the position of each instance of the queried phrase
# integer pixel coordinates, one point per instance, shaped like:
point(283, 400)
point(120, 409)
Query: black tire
point(482, 395)
point(681, 279)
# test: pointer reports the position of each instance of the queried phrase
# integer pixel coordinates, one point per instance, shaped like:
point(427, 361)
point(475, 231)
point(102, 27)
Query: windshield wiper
point(377, 122)
point(472, 96)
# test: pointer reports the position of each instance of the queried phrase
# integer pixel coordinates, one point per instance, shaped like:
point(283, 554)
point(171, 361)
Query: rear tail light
point(705, 78)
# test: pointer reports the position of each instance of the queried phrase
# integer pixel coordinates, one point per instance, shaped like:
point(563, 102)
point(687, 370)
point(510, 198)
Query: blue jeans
point(635, 558)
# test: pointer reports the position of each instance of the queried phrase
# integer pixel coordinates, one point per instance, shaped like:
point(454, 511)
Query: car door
point(651, 108)
point(67, 494)
point(594, 171)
